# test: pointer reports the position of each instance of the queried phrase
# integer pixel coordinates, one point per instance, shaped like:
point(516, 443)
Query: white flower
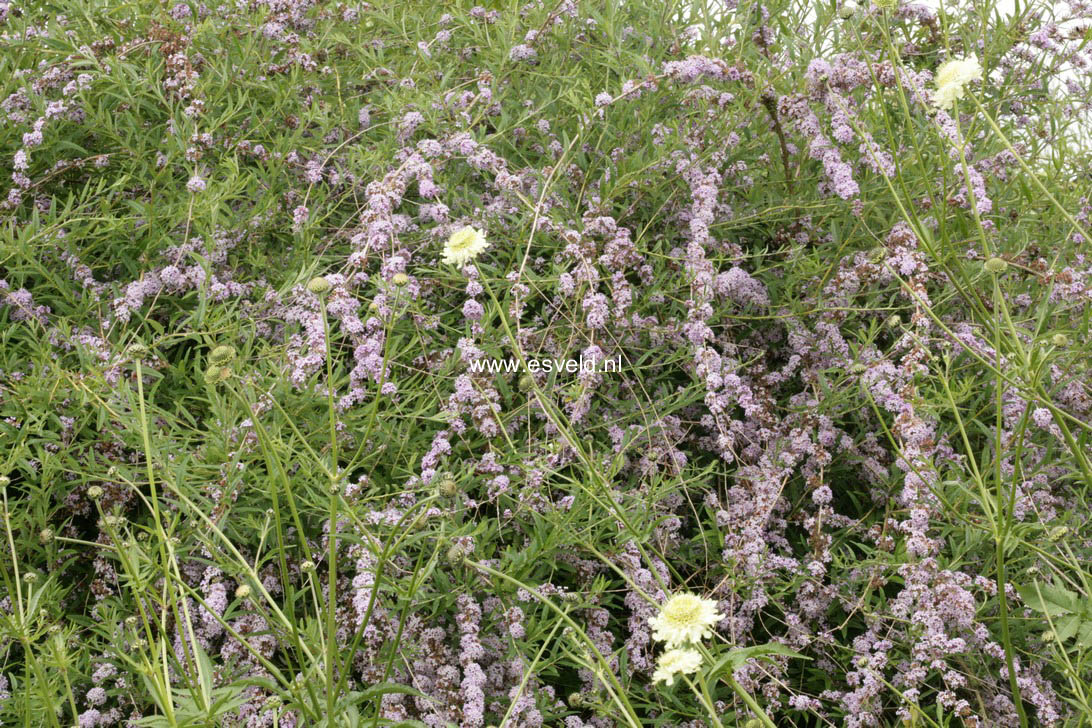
point(463, 246)
point(952, 76)
point(684, 618)
point(676, 662)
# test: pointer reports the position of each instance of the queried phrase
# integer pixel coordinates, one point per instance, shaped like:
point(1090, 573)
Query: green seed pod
point(319, 286)
point(526, 383)
point(30, 577)
point(137, 351)
point(1059, 340)
point(307, 566)
point(996, 266)
point(222, 354)
point(400, 279)
point(94, 492)
point(5, 481)
point(576, 700)
point(45, 535)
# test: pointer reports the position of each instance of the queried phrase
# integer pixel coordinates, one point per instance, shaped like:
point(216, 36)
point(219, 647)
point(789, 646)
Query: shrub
point(286, 444)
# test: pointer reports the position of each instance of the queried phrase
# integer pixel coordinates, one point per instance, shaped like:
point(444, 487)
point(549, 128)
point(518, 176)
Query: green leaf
point(1066, 627)
point(739, 655)
point(1049, 599)
point(1084, 638)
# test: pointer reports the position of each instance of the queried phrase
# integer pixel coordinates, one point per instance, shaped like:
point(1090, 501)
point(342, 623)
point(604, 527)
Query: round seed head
point(212, 375)
point(1059, 340)
point(319, 286)
point(455, 554)
point(996, 265)
point(400, 279)
point(222, 354)
point(447, 487)
point(94, 492)
point(242, 592)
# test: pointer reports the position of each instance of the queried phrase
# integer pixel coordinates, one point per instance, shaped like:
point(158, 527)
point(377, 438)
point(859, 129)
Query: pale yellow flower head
point(464, 246)
point(676, 662)
point(952, 76)
point(684, 618)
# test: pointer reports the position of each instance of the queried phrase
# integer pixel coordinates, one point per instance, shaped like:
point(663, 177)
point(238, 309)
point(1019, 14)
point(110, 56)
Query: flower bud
point(319, 286)
point(94, 492)
point(137, 351)
point(1059, 340)
point(242, 592)
point(30, 577)
point(526, 383)
point(222, 354)
point(400, 279)
point(307, 566)
point(996, 265)
point(45, 535)
point(1057, 533)
point(5, 481)
point(131, 621)
point(848, 9)
point(893, 320)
